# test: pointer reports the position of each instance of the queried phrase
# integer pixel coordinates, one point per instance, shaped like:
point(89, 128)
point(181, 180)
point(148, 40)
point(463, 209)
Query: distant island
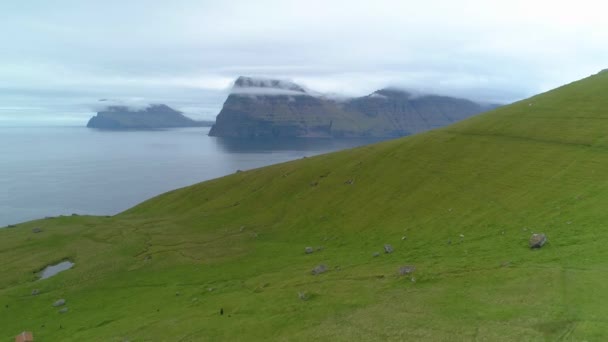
point(156, 116)
point(266, 108)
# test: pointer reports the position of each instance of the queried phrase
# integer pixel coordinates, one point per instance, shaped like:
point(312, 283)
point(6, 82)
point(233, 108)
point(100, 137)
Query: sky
point(58, 58)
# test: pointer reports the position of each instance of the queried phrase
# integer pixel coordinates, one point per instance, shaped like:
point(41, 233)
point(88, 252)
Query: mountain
point(457, 205)
point(273, 108)
point(155, 116)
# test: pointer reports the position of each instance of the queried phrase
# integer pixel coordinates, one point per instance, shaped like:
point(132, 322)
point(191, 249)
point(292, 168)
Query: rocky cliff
point(274, 108)
point(156, 116)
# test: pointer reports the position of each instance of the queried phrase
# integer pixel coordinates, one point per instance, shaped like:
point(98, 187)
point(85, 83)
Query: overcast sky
point(57, 58)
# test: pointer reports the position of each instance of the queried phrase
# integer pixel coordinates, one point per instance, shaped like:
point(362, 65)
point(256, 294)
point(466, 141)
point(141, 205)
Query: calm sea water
point(63, 170)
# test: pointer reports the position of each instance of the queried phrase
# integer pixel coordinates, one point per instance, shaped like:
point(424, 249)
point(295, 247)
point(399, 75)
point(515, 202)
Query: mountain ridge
point(268, 108)
point(154, 116)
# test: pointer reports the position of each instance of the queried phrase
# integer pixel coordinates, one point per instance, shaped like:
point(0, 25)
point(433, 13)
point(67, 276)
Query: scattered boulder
point(63, 310)
point(303, 296)
point(59, 302)
point(308, 250)
point(350, 182)
point(405, 270)
point(37, 230)
point(388, 248)
point(35, 292)
point(319, 269)
point(376, 254)
point(537, 240)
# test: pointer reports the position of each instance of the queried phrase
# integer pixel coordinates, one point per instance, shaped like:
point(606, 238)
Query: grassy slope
point(536, 166)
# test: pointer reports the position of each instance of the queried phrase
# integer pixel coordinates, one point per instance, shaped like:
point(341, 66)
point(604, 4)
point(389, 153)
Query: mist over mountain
point(264, 108)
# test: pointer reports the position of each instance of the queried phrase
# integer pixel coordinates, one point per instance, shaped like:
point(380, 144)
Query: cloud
point(188, 52)
point(134, 104)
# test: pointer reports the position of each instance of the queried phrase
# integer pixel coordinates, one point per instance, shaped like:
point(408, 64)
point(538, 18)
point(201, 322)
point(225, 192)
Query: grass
point(458, 203)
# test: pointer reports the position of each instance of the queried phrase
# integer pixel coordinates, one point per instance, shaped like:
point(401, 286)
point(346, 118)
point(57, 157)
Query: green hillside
point(458, 203)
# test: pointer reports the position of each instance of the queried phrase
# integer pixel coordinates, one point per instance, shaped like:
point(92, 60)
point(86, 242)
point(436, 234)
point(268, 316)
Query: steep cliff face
point(153, 117)
point(273, 108)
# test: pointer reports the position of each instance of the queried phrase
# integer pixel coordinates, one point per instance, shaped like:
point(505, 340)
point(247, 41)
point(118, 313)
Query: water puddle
point(52, 270)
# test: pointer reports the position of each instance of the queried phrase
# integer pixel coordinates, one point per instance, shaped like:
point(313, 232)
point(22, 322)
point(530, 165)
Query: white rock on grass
point(388, 248)
point(537, 240)
point(319, 269)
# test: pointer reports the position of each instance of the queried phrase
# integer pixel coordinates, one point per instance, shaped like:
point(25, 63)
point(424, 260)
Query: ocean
point(50, 171)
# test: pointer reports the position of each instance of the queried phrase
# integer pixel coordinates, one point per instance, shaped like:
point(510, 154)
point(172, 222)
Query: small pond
point(52, 270)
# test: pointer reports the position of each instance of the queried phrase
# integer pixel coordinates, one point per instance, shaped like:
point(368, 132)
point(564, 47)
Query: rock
point(303, 296)
point(63, 310)
point(537, 240)
point(59, 302)
point(267, 108)
point(350, 182)
point(319, 269)
point(37, 230)
point(155, 116)
point(388, 249)
point(405, 270)
point(308, 250)
point(376, 254)
point(35, 292)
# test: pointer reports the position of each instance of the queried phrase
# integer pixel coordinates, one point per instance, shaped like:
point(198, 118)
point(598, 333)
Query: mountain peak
point(391, 93)
point(265, 85)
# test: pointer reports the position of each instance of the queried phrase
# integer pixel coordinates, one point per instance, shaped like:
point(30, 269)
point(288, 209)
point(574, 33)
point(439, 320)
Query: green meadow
point(459, 204)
